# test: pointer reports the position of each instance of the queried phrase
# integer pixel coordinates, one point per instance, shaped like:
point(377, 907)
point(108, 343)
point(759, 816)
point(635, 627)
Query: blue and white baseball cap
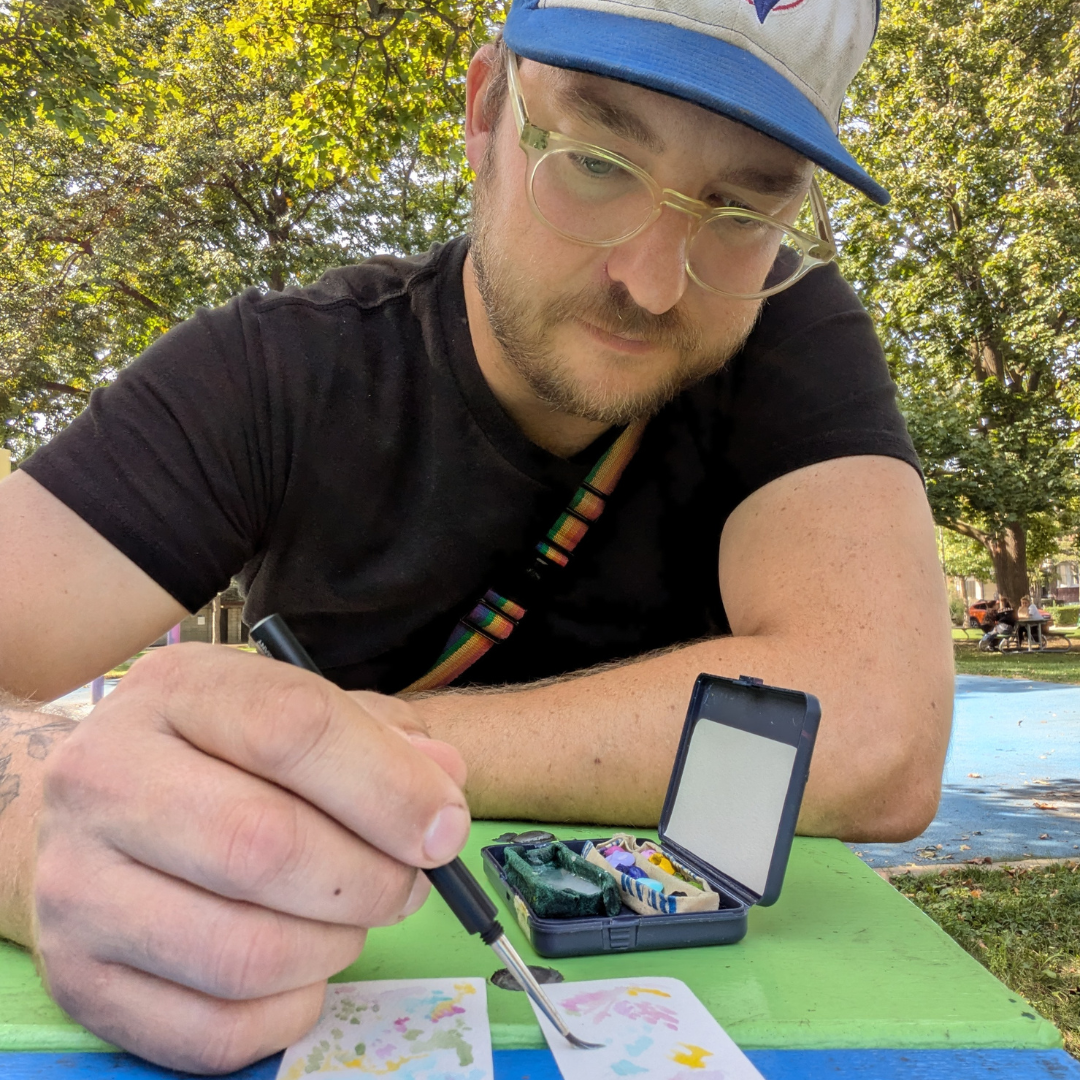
point(781, 67)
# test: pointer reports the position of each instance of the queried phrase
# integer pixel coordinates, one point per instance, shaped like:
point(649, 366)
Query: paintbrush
point(454, 882)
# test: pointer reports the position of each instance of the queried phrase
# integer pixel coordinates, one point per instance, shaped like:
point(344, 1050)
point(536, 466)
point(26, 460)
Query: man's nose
point(652, 266)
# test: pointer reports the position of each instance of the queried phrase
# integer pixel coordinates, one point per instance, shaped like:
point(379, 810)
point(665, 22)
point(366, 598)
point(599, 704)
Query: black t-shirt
point(338, 449)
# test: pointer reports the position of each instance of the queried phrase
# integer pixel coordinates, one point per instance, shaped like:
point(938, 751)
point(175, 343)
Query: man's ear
point(478, 125)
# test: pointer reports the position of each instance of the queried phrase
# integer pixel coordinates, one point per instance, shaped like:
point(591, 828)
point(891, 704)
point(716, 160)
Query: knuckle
point(263, 842)
point(162, 667)
point(252, 960)
point(73, 775)
point(294, 719)
point(51, 890)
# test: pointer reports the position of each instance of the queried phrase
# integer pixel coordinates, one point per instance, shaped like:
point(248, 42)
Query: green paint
point(412, 1033)
point(449, 1039)
point(842, 960)
point(315, 1058)
point(360, 1049)
point(558, 883)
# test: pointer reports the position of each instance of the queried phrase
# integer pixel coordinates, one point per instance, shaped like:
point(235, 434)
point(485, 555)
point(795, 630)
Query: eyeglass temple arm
point(820, 211)
point(517, 102)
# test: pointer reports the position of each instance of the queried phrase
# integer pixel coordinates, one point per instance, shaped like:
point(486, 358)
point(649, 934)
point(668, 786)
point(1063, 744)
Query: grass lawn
point(1023, 924)
point(1045, 666)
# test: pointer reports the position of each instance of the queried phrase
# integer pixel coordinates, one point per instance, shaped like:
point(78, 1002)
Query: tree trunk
point(1009, 553)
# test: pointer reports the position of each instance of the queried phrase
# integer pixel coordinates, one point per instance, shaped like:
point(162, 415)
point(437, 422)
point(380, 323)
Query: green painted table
point(841, 961)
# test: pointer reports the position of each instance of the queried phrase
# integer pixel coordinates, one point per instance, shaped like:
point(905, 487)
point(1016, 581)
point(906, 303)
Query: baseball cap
point(781, 67)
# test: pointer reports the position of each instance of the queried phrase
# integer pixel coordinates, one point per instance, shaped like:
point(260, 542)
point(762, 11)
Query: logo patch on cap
point(763, 7)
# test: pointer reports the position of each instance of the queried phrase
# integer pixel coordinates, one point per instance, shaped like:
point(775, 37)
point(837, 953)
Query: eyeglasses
point(592, 196)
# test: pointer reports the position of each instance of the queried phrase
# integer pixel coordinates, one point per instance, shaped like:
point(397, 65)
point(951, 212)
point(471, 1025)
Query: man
point(371, 454)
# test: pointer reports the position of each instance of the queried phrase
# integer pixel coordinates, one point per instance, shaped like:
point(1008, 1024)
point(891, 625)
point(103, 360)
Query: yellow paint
point(662, 861)
point(393, 1066)
point(693, 1057)
point(446, 1008)
point(633, 991)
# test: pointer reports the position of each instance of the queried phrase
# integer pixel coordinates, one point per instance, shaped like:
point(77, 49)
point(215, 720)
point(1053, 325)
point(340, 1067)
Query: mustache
point(614, 310)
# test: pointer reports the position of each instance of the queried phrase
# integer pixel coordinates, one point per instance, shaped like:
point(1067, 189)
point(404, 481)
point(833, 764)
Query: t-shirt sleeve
point(812, 385)
point(173, 463)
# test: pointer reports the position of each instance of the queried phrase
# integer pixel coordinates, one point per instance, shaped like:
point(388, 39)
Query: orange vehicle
point(977, 612)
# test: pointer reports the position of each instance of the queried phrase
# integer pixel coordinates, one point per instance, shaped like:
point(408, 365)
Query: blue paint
point(627, 1068)
point(540, 1065)
point(1023, 739)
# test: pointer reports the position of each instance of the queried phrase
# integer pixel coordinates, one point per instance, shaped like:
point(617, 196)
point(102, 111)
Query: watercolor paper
point(408, 1029)
point(649, 1028)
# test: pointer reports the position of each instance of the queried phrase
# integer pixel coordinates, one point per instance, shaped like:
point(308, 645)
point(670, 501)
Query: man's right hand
point(215, 840)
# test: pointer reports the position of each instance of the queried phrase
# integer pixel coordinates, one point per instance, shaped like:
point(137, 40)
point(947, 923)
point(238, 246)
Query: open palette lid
point(737, 784)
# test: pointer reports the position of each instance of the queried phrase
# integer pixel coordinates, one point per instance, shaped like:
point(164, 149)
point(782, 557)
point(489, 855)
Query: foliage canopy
point(968, 113)
point(285, 136)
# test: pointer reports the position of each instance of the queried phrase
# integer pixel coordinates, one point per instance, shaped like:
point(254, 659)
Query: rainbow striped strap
point(494, 617)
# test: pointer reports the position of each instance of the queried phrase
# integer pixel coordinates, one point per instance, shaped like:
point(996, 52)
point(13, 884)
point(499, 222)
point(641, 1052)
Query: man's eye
point(725, 201)
point(594, 166)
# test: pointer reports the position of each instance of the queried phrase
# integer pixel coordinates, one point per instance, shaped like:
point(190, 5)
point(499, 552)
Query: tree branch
point(139, 296)
point(964, 529)
point(65, 388)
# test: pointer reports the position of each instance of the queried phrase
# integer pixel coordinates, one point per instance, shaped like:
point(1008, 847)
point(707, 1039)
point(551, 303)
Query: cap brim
point(689, 65)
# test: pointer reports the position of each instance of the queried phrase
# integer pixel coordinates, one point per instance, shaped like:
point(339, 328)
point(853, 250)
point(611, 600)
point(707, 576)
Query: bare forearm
point(599, 746)
point(26, 739)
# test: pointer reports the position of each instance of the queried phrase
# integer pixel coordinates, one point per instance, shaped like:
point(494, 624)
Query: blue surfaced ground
point(970, 1064)
point(1014, 755)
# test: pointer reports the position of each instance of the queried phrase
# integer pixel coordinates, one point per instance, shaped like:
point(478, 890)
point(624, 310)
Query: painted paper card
point(649, 1028)
point(408, 1029)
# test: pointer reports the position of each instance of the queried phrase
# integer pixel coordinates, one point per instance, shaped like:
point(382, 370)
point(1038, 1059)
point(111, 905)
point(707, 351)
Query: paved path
point(1012, 778)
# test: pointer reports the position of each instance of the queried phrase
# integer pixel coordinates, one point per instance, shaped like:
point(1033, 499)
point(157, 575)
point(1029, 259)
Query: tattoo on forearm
point(39, 739)
point(9, 784)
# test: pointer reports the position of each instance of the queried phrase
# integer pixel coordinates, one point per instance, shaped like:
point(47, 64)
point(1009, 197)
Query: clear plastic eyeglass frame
point(538, 144)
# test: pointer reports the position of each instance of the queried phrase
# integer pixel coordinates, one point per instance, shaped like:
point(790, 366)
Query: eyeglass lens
point(596, 200)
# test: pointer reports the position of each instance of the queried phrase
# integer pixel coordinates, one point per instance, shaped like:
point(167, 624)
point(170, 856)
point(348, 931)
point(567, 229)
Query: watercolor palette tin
point(729, 816)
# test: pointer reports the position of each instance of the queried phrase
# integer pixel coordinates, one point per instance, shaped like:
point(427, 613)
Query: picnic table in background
point(843, 976)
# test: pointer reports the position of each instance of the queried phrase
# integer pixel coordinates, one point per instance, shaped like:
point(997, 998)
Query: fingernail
point(447, 834)
point(421, 888)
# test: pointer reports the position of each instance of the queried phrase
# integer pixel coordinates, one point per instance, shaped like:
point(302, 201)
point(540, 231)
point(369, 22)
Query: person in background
point(1004, 624)
point(1030, 610)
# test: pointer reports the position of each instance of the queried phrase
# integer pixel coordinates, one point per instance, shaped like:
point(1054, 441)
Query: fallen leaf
point(939, 846)
point(1044, 836)
point(965, 847)
point(976, 893)
point(975, 775)
point(981, 943)
point(1043, 805)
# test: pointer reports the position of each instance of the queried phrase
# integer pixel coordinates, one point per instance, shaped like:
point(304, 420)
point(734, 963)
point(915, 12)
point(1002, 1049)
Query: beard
point(524, 326)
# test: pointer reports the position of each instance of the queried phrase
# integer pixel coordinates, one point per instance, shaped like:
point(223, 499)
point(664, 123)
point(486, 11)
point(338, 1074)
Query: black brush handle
point(464, 896)
point(454, 882)
point(273, 638)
